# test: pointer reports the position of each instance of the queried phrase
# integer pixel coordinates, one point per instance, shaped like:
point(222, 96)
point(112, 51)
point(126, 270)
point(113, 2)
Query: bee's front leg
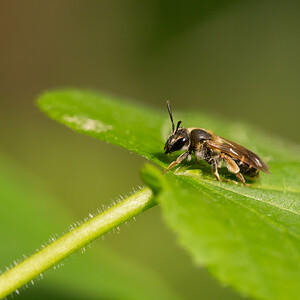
point(178, 160)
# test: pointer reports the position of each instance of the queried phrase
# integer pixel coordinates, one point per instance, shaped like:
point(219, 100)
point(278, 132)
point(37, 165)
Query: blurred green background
point(234, 59)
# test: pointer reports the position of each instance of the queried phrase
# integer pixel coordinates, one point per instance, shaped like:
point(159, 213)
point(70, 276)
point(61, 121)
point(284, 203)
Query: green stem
point(74, 240)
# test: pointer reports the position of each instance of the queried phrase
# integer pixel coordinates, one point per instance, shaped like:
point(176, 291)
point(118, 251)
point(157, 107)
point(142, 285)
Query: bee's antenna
point(170, 113)
point(178, 124)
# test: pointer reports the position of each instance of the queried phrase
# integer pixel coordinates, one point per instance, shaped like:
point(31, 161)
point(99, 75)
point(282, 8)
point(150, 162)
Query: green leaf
point(104, 117)
point(247, 236)
point(248, 239)
point(29, 218)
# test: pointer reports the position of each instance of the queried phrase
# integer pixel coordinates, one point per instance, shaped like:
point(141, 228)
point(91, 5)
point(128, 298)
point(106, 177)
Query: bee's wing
point(237, 151)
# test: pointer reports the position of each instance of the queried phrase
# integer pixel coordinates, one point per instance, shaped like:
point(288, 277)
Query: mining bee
point(207, 146)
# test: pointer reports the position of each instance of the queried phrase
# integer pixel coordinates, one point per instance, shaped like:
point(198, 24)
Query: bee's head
point(178, 139)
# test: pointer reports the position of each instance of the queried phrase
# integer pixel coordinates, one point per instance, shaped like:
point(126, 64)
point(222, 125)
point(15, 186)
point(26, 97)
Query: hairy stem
point(74, 240)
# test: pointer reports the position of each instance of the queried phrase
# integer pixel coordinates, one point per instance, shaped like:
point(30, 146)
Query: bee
point(213, 149)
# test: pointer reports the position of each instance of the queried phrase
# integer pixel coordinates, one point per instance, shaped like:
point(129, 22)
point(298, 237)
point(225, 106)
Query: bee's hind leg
point(234, 168)
point(241, 178)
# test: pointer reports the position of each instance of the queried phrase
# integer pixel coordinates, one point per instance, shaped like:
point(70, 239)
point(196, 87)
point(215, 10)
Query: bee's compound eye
point(179, 144)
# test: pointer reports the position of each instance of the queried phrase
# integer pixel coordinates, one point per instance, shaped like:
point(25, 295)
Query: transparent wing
point(237, 151)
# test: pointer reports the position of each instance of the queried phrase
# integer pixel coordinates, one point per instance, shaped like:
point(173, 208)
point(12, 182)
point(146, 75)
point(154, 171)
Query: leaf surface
point(248, 237)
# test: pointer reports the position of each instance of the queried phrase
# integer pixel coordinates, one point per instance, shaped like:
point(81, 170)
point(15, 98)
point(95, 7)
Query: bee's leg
point(178, 160)
point(233, 168)
point(214, 168)
point(241, 178)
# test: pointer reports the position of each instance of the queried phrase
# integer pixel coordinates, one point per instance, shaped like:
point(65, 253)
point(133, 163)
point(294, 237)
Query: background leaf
point(247, 236)
point(173, 20)
point(30, 217)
